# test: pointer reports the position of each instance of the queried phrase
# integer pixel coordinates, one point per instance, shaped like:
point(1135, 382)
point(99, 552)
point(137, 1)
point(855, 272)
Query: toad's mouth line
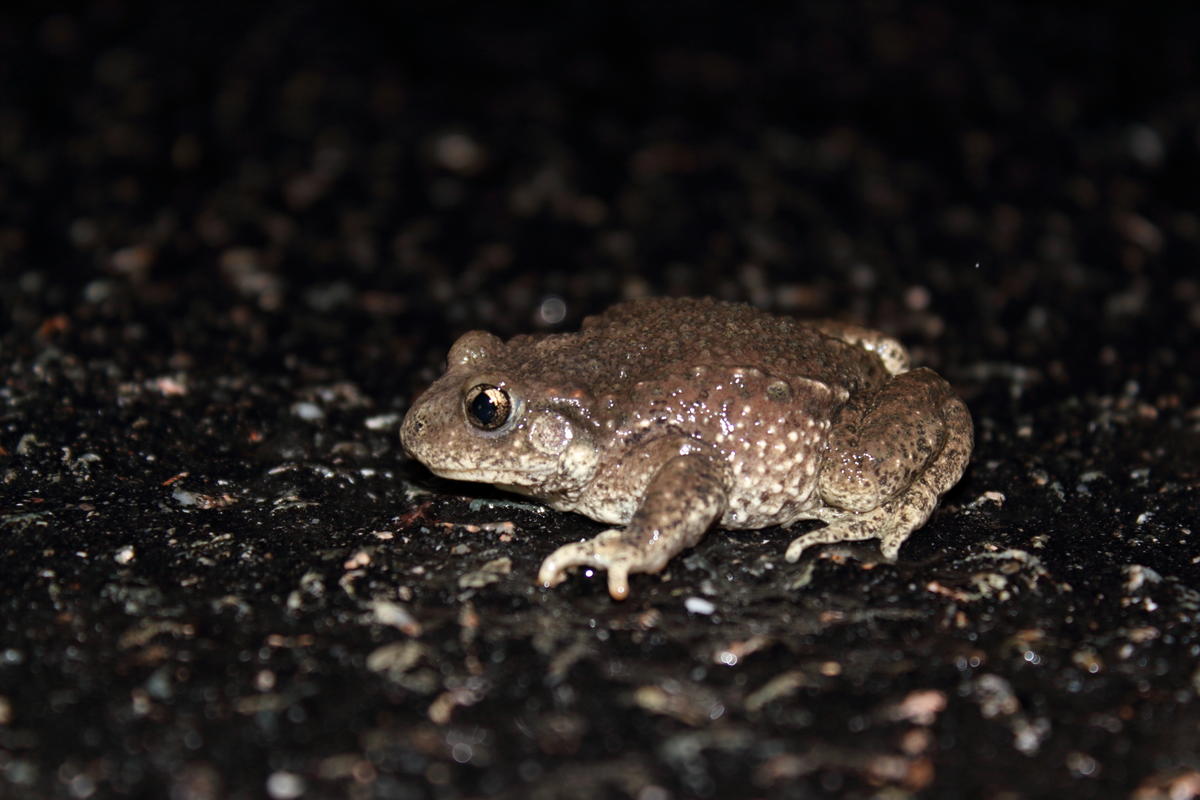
point(501, 480)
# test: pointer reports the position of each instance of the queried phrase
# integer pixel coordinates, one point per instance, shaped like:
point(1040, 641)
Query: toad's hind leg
point(890, 351)
point(889, 462)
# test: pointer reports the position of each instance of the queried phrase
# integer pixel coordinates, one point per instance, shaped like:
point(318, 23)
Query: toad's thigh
point(884, 441)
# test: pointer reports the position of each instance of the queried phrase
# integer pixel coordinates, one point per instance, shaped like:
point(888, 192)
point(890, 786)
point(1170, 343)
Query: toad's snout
point(411, 429)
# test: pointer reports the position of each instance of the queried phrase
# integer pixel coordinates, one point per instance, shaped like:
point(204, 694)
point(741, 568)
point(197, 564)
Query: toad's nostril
point(410, 430)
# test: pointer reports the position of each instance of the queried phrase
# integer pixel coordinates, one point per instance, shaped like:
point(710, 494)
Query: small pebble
point(698, 605)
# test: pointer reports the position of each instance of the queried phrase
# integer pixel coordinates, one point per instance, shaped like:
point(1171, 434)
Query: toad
point(670, 416)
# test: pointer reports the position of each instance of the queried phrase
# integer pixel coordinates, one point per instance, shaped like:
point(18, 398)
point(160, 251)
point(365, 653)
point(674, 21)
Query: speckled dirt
point(235, 243)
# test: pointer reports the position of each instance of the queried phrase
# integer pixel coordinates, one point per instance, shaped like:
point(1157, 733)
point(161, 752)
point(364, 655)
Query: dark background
point(235, 241)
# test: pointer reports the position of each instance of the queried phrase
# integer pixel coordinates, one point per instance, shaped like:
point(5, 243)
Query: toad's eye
point(488, 407)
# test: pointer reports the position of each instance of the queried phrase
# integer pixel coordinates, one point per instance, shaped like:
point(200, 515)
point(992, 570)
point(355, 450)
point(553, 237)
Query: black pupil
point(483, 408)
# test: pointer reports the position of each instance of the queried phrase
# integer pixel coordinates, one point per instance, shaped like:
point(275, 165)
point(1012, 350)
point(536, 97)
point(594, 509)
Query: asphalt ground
point(236, 240)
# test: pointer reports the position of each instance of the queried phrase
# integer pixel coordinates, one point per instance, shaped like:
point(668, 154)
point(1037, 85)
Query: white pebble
point(309, 412)
point(698, 605)
point(285, 785)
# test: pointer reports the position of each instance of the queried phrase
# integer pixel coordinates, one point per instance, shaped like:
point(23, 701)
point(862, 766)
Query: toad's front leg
point(685, 496)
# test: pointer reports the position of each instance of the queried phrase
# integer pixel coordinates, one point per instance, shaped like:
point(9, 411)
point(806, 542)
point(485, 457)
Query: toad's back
point(652, 339)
